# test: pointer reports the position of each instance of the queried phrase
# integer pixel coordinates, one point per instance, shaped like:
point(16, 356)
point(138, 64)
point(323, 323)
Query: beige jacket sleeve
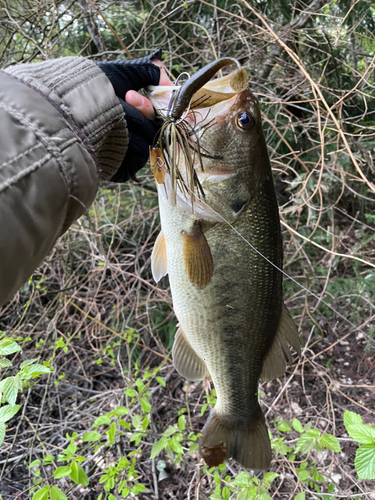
point(62, 129)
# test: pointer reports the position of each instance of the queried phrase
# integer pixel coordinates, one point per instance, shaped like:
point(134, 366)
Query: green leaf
point(300, 496)
point(140, 385)
point(112, 433)
point(131, 393)
point(140, 487)
point(158, 447)
point(284, 426)
point(103, 420)
point(48, 459)
point(146, 422)
point(362, 433)
point(247, 494)
point(5, 363)
point(78, 475)
point(269, 477)
point(7, 412)
point(62, 472)
point(41, 494)
point(124, 423)
point(120, 410)
point(9, 346)
point(297, 426)
point(161, 381)
point(225, 493)
point(264, 496)
point(125, 492)
point(175, 445)
point(9, 388)
point(181, 422)
point(242, 479)
point(217, 494)
point(2, 432)
point(170, 431)
point(145, 404)
point(57, 494)
point(34, 371)
point(303, 475)
point(90, 436)
point(305, 443)
point(314, 433)
point(136, 422)
point(28, 362)
point(351, 418)
point(35, 463)
point(365, 461)
point(330, 442)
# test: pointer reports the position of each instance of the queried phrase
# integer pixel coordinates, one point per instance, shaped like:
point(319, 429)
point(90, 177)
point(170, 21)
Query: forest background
point(92, 407)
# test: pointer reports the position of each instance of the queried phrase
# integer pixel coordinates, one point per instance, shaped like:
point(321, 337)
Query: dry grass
point(314, 76)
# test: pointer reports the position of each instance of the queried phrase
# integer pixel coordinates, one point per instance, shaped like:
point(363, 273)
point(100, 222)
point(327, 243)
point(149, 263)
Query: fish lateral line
point(312, 294)
point(174, 123)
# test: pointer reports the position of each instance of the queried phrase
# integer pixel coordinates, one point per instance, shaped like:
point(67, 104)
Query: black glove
point(134, 75)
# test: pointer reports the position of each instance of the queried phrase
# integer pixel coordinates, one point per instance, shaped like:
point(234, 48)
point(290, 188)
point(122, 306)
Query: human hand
point(140, 102)
point(127, 77)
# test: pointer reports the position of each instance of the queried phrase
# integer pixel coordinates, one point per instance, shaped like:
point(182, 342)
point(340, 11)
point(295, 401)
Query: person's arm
point(62, 129)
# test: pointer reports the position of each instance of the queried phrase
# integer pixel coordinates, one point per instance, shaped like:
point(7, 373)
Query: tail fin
point(245, 441)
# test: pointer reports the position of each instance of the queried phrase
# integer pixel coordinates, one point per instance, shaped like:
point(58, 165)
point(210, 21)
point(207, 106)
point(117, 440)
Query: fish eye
point(245, 120)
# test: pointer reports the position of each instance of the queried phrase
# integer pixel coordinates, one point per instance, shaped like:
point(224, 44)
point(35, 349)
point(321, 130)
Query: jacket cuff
point(83, 91)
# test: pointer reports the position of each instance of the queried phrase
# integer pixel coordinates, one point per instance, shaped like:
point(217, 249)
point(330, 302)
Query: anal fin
point(186, 360)
point(159, 266)
point(274, 363)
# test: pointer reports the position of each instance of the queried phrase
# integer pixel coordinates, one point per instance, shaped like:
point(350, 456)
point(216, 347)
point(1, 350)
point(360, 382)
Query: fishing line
point(320, 300)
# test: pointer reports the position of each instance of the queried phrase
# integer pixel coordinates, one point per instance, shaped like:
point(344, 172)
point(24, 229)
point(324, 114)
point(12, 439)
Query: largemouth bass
point(233, 323)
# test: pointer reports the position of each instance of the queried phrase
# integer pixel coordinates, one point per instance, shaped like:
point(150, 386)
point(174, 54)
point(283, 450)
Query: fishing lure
point(179, 136)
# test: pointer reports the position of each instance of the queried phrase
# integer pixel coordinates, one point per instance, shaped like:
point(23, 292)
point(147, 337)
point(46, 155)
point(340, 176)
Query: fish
point(227, 297)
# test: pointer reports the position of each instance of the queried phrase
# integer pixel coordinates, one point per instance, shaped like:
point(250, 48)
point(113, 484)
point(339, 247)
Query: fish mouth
point(187, 144)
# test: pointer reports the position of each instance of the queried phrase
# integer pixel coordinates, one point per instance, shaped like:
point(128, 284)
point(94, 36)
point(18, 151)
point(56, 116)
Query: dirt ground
point(333, 375)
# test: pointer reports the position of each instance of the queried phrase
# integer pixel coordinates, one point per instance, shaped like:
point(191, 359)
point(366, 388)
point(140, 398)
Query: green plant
point(211, 401)
point(310, 439)
point(364, 435)
point(72, 469)
point(49, 492)
point(123, 475)
point(172, 438)
point(244, 486)
point(12, 385)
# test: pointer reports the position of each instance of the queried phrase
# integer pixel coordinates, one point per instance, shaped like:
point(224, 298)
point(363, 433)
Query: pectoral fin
point(197, 257)
point(159, 265)
point(186, 360)
point(274, 363)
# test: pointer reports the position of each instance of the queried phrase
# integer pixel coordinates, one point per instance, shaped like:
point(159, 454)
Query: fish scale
point(232, 322)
